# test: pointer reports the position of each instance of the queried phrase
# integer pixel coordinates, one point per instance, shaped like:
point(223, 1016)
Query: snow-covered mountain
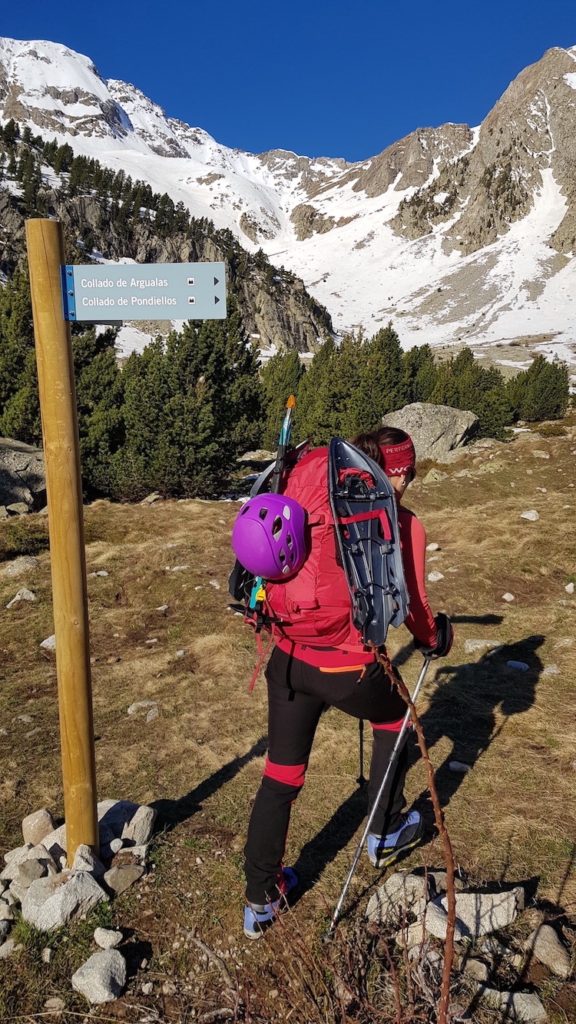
point(453, 233)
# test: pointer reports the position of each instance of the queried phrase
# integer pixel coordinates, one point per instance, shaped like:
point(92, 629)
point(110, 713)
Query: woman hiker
point(304, 680)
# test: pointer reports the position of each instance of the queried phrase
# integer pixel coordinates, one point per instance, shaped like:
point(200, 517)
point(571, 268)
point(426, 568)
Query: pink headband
point(398, 458)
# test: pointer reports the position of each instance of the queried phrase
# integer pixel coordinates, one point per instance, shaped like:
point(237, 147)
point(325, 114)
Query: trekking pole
point(361, 780)
point(391, 764)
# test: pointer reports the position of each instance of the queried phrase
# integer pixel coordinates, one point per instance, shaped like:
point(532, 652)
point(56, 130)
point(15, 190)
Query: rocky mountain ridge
point(454, 233)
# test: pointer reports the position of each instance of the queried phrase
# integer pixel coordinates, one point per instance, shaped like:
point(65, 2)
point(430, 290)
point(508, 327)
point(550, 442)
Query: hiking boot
point(383, 850)
point(259, 916)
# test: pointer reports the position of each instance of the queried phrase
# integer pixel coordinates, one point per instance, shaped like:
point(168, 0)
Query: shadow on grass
point(468, 701)
point(174, 812)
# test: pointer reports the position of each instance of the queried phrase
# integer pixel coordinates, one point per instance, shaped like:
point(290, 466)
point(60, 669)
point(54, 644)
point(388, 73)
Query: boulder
point(22, 478)
point(36, 826)
point(52, 902)
point(19, 566)
point(481, 913)
point(402, 891)
point(436, 430)
point(139, 829)
point(102, 978)
point(544, 944)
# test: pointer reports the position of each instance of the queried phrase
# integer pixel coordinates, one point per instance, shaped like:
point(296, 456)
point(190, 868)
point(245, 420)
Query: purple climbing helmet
point(269, 536)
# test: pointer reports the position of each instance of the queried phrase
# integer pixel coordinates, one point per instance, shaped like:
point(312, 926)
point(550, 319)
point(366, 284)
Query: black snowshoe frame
point(368, 540)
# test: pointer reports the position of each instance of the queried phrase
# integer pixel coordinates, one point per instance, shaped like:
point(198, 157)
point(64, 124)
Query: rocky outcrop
point(436, 430)
point(21, 474)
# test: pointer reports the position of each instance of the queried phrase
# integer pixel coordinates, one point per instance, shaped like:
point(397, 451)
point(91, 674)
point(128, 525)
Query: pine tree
point(541, 392)
point(381, 387)
point(280, 377)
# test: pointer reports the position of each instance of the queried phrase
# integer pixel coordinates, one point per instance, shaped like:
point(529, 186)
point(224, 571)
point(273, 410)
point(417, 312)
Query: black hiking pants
point(297, 695)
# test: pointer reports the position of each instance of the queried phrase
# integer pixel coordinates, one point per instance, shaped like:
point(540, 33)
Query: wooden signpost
point(68, 565)
point(61, 294)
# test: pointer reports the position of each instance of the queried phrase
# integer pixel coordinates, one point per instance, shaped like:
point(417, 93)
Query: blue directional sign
point(144, 291)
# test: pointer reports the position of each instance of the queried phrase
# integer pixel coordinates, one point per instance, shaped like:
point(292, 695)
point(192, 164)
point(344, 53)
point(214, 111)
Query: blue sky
point(320, 78)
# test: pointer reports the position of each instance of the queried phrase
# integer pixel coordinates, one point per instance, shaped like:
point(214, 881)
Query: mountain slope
point(457, 234)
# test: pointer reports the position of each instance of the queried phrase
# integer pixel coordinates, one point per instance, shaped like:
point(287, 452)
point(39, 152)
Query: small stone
point(531, 515)
point(147, 988)
point(8, 948)
point(477, 969)
point(151, 498)
point(118, 879)
point(163, 608)
point(544, 943)
point(540, 455)
point(433, 547)
point(569, 588)
point(13, 860)
point(29, 872)
point(141, 705)
point(102, 978)
point(36, 826)
point(472, 646)
point(177, 568)
point(22, 595)
point(435, 576)
point(107, 938)
point(508, 597)
point(169, 988)
point(139, 829)
point(19, 566)
point(180, 654)
point(116, 845)
point(55, 1005)
point(5, 927)
point(17, 508)
point(520, 1006)
point(86, 860)
point(46, 955)
point(6, 912)
point(215, 584)
point(152, 714)
point(551, 670)
point(49, 644)
point(400, 892)
point(458, 767)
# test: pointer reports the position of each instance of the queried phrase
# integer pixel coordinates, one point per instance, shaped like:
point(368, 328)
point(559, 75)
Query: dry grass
point(512, 817)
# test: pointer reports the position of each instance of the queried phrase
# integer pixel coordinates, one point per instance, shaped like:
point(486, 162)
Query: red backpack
point(314, 606)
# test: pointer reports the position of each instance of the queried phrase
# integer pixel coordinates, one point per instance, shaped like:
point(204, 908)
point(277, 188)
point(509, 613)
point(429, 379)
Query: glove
point(444, 638)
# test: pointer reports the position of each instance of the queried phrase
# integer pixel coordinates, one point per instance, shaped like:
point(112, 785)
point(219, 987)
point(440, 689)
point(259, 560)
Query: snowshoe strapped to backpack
point(351, 586)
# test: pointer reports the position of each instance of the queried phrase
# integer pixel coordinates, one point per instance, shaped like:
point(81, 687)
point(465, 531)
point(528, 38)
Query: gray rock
point(86, 860)
point(30, 871)
point(55, 1005)
point(477, 969)
point(19, 566)
point(472, 646)
point(435, 576)
point(482, 913)
point(151, 498)
point(436, 923)
point(6, 912)
point(8, 948)
point(55, 843)
point(434, 476)
point(46, 955)
point(544, 944)
point(13, 860)
point(22, 595)
point(5, 927)
point(411, 937)
point(102, 978)
point(551, 670)
point(435, 429)
point(116, 845)
point(508, 597)
point(437, 876)
point(22, 476)
point(49, 644)
point(112, 817)
point(107, 938)
point(140, 707)
point(36, 826)
point(402, 891)
point(531, 515)
point(17, 508)
point(52, 902)
point(139, 829)
point(521, 1006)
point(121, 877)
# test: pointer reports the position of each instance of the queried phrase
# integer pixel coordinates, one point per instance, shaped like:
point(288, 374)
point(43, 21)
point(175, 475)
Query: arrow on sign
point(216, 299)
point(216, 281)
